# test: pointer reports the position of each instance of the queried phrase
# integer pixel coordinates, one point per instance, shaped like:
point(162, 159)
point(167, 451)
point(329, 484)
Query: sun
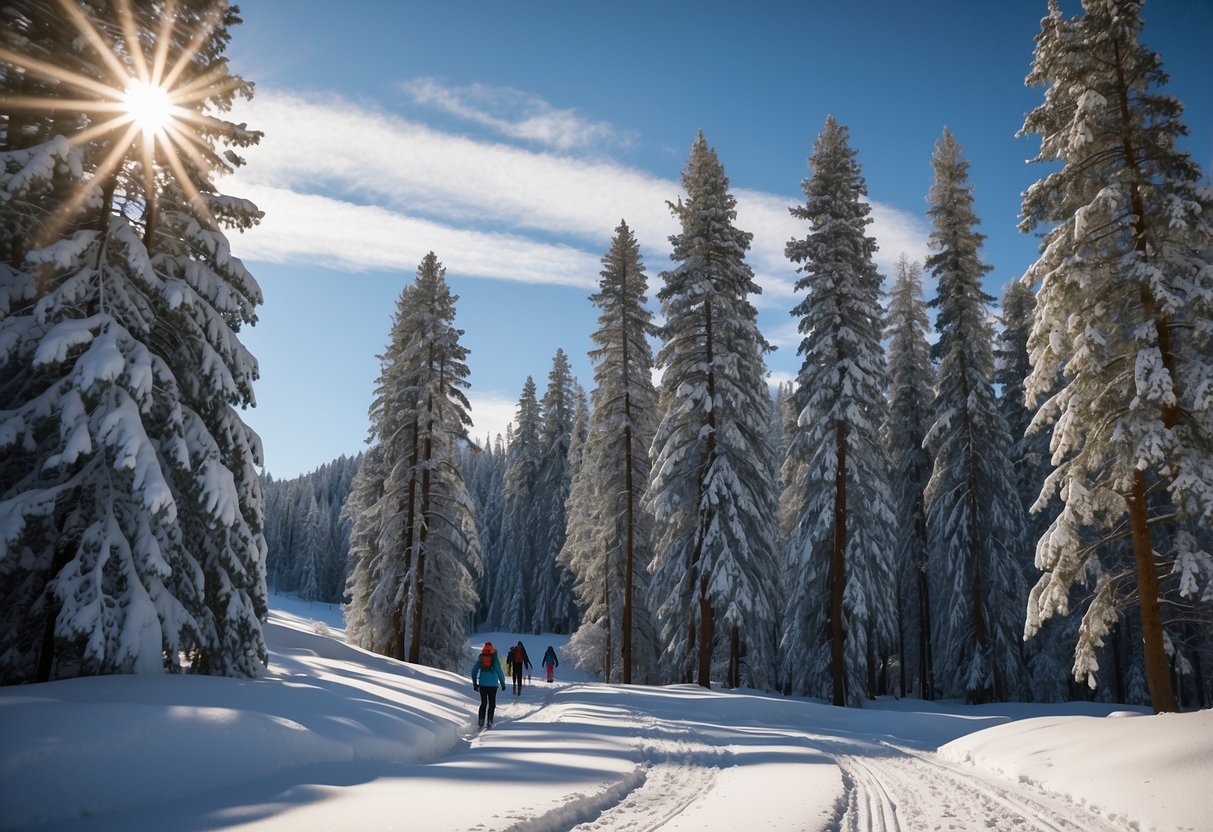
point(148, 106)
point(152, 92)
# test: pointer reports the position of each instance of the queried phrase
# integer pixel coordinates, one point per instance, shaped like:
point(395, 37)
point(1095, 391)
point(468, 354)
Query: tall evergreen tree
point(1029, 454)
point(973, 518)
point(610, 528)
point(315, 543)
point(512, 604)
point(551, 581)
point(911, 386)
point(1125, 316)
point(484, 470)
point(712, 490)
point(836, 474)
point(416, 549)
point(131, 531)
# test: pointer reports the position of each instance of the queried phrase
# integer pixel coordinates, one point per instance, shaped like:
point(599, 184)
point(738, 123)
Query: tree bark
point(1162, 695)
point(1158, 678)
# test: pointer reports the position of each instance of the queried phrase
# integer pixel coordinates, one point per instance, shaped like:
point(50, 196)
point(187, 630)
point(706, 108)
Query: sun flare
point(149, 106)
point(154, 92)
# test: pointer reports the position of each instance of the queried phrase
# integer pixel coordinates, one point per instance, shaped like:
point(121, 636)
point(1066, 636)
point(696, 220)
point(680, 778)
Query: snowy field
point(336, 738)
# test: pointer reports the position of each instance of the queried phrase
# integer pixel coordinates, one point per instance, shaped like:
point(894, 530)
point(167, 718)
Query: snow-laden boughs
point(1125, 320)
point(512, 603)
point(974, 520)
point(713, 485)
point(554, 609)
point(836, 498)
point(130, 509)
point(911, 386)
point(609, 547)
point(413, 538)
point(1048, 653)
point(484, 472)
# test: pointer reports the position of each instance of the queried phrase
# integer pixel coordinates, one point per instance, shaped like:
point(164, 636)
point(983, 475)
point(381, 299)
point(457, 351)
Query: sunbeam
point(142, 99)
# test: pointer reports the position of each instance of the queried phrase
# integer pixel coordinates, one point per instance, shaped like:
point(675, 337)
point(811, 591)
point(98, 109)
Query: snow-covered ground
point(336, 738)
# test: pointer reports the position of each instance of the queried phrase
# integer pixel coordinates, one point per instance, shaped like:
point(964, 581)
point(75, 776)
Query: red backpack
point(486, 658)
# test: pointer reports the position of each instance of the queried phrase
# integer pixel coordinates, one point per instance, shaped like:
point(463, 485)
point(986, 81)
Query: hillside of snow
point(333, 735)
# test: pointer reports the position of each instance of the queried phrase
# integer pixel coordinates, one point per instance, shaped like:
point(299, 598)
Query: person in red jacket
point(517, 660)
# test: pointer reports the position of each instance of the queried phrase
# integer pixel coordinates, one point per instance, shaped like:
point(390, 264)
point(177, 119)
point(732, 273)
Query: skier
point(550, 662)
point(486, 666)
point(517, 660)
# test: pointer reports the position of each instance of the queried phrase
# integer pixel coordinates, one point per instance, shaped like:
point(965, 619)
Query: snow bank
point(1155, 772)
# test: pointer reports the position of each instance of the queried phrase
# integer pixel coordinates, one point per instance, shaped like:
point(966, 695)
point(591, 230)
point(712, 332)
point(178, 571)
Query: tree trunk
point(629, 556)
point(424, 514)
point(705, 634)
point(606, 595)
point(734, 657)
point(629, 561)
point(926, 672)
point(705, 603)
point(1162, 696)
point(838, 578)
point(398, 615)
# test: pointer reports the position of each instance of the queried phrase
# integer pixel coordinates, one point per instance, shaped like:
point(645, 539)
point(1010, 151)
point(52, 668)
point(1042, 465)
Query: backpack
point(486, 659)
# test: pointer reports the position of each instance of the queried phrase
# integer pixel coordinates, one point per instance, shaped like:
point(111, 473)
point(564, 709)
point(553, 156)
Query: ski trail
point(677, 772)
point(890, 790)
point(869, 808)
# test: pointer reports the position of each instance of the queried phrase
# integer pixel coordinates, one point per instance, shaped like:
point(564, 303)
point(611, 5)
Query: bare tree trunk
point(1162, 695)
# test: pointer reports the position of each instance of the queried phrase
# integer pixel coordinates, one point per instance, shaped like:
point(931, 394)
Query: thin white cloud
point(491, 414)
point(400, 188)
point(515, 114)
point(308, 228)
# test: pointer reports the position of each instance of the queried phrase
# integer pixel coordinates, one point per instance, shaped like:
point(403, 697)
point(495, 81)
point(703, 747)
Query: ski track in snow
point(885, 788)
point(895, 790)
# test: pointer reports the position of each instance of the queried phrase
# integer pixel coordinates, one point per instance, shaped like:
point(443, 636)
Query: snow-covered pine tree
point(484, 471)
point(286, 503)
point(973, 515)
point(836, 498)
point(413, 587)
point(1125, 314)
point(551, 583)
point(1029, 453)
point(512, 604)
point(712, 492)
point(315, 543)
point(911, 396)
point(610, 528)
point(130, 509)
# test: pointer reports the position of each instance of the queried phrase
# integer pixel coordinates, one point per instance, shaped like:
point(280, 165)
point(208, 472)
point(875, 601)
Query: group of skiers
point(487, 675)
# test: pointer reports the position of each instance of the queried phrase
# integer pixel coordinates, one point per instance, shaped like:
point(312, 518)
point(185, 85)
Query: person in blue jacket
point(486, 676)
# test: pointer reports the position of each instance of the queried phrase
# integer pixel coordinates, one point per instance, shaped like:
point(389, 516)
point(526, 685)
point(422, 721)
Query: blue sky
point(511, 138)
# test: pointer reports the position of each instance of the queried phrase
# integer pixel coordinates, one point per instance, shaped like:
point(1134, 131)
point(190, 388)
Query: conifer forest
point(960, 496)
